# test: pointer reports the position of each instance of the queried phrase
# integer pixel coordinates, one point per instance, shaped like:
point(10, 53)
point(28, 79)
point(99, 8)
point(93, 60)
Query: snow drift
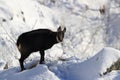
point(92, 68)
point(71, 69)
point(40, 72)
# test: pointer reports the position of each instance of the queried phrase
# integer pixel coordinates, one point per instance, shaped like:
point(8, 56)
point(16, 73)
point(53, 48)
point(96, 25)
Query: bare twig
point(34, 24)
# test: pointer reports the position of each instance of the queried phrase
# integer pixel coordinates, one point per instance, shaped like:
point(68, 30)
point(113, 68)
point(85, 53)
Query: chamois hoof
point(22, 69)
point(43, 62)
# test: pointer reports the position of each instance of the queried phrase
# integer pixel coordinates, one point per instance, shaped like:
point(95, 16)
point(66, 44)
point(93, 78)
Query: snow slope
point(90, 69)
point(71, 69)
point(88, 31)
point(40, 72)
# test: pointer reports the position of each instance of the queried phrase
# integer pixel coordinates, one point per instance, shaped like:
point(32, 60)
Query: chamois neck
point(55, 37)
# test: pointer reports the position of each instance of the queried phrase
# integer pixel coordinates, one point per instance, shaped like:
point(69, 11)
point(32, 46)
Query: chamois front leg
point(42, 53)
point(21, 60)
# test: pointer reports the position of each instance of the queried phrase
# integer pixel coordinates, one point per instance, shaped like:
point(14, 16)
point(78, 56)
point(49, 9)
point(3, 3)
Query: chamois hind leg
point(21, 60)
point(42, 53)
point(21, 64)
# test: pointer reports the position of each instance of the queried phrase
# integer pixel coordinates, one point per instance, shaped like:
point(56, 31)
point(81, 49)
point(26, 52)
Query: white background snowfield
point(91, 44)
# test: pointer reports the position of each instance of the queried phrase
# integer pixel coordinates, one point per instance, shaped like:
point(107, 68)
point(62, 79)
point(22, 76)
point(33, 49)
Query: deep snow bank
point(40, 72)
point(91, 69)
point(70, 69)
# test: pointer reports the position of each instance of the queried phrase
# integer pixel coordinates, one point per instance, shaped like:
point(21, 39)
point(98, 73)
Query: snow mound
point(70, 69)
point(40, 72)
point(91, 69)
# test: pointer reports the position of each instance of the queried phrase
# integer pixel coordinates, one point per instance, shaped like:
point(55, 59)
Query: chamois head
point(60, 34)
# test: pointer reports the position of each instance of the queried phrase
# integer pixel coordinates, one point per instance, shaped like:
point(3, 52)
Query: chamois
point(38, 40)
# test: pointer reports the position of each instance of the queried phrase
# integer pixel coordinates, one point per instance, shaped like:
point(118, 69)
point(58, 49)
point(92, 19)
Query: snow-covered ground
point(71, 69)
point(85, 53)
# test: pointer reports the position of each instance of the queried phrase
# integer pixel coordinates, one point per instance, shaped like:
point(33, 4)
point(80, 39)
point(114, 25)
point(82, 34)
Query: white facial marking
point(19, 46)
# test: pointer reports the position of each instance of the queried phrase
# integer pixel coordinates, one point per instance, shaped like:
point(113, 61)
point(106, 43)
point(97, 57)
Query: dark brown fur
point(38, 40)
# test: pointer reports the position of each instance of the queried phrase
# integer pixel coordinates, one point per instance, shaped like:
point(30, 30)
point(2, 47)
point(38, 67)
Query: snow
point(40, 72)
point(90, 69)
point(71, 69)
point(91, 43)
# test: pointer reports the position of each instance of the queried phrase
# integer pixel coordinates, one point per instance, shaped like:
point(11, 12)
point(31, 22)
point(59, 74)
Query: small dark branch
point(102, 9)
point(61, 59)
point(115, 66)
point(53, 1)
point(6, 66)
point(34, 25)
point(22, 12)
point(11, 18)
point(87, 7)
point(23, 19)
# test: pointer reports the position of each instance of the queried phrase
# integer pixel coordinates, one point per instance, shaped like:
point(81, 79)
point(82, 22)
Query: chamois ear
point(59, 29)
point(64, 30)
